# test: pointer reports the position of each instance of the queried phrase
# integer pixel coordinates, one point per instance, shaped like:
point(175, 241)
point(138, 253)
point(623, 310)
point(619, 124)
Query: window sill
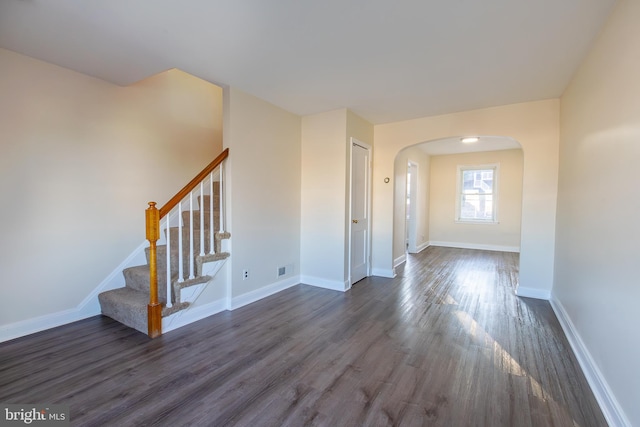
point(481, 222)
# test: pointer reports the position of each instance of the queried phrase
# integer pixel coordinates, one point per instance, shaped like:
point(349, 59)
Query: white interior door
point(360, 197)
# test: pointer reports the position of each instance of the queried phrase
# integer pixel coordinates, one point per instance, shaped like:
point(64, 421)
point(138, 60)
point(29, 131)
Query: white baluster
point(201, 218)
point(212, 229)
point(180, 257)
point(221, 198)
point(191, 275)
point(168, 237)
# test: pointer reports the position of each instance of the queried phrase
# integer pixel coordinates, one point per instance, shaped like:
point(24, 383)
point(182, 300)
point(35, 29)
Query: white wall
point(535, 125)
point(324, 163)
point(325, 196)
point(597, 248)
point(79, 160)
point(422, 160)
point(446, 231)
point(264, 190)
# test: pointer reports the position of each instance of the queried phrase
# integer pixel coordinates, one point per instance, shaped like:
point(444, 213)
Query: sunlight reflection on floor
point(504, 361)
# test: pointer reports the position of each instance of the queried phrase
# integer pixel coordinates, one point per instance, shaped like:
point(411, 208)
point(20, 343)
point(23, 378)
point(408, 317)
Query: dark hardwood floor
point(446, 343)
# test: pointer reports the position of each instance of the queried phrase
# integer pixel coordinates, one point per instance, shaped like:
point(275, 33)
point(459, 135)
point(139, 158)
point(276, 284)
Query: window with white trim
point(477, 198)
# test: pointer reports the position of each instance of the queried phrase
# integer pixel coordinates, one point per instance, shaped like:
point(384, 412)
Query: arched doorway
point(438, 214)
point(535, 126)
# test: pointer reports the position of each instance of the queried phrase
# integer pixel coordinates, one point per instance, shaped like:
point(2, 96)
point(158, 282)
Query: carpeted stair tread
point(176, 307)
point(214, 257)
point(127, 306)
point(173, 233)
point(162, 262)
point(201, 260)
point(191, 282)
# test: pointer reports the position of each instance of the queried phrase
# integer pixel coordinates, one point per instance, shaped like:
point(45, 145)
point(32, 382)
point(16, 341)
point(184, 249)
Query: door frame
point(353, 141)
point(411, 228)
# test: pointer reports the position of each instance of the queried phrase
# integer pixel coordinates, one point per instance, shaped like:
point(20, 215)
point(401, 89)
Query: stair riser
point(138, 278)
point(205, 202)
point(216, 189)
point(186, 220)
point(161, 262)
point(174, 233)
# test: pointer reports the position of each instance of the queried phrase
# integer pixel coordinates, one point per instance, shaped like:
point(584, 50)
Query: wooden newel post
point(154, 309)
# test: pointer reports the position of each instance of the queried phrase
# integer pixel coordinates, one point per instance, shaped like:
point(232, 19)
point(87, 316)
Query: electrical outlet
point(282, 271)
point(245, 274)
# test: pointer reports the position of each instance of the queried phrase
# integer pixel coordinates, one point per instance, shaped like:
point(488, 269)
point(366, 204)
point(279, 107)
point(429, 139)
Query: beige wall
point(446, 231)
point(535, 125)
point(597, 248)
point(422, 160)
point(264, 189)
point(187, 100)
point(324, 162)
point(325, 195)
point(79, 160)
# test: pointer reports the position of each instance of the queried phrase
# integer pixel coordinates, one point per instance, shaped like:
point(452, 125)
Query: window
point(477, 197)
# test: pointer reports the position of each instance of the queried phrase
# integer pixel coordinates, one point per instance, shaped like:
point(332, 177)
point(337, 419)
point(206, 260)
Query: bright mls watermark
point(34, 415)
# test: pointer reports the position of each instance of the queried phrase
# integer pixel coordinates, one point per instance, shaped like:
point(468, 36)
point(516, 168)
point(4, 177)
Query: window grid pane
point(476, 207)
point(477, 181)
point(476, 197)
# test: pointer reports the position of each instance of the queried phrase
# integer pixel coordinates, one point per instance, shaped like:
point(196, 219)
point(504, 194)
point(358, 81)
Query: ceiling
point(385, 60)
point(454, 145)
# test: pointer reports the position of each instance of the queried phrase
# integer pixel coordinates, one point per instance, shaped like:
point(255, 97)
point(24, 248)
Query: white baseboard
point(319, 282)
point(423, 246)
point(533, 293)
point(479, 246)
point(612, 411)
point(402, 258)
point(41, 323)
point(87, 308)
point(258, 294)
point(193, 314)
point(383, 272)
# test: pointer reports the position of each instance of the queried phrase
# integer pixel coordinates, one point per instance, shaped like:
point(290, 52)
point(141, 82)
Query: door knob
point(355, 221)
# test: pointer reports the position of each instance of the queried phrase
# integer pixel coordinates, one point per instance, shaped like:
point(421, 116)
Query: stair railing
point(156, 219)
